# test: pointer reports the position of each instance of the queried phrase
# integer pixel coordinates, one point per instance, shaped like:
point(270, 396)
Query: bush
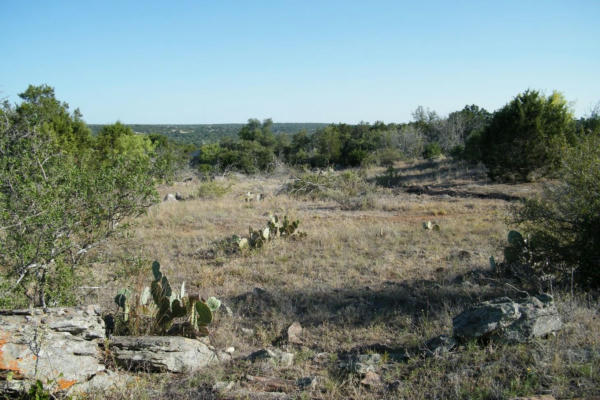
point(60, 193)
point(212, 190)
point(526, 135)
point(432, 150)
point(328, 185)
point(563, 226)
point(349, 189)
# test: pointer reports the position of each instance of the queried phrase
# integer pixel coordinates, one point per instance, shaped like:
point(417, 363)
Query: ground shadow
point(363, 306)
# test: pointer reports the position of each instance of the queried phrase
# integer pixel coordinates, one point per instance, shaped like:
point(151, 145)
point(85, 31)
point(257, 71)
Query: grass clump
point(212, 190)
point(349, 188)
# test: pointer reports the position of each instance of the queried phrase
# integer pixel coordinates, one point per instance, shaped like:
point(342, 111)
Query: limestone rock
point(361, 363)
point(223, 386)
point(275, 356)
point(439, 345)
point(170, 197)
point(508, 320)
point(294, 333)
point(59, 347)
point(371, 379)
point(307, 383)
point(163, 353)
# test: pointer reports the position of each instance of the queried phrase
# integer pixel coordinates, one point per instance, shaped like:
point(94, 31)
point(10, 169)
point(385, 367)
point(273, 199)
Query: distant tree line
point(520, 141)
point(196, 135)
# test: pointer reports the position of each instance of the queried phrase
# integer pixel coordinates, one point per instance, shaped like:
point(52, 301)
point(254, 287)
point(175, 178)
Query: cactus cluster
point(164, 305)
point(275, 228)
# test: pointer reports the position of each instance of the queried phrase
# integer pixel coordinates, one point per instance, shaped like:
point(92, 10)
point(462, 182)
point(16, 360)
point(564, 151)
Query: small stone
point(439, 345)
point(230, 350)
point(170, 197)
point(228, 310)
point(223, 386)
point(294, 332)
point(308, 382)
point(275, 356)
point(371, 379)
point(361, 364)
point(247, 332)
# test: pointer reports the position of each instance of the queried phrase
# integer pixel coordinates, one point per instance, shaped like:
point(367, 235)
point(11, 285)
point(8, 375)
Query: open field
point(366, 278)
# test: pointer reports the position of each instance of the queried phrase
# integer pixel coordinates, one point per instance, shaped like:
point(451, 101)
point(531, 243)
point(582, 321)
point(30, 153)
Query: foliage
point(563, 225)
point(590, 124)
point(198, 135)
point(168, 157)
point(167, 306)
point(212, 190)
point(348, 188)
point(252, 153)
point(526, 135)
point(328, 185)
point(61, 192)
point(37, 392)
point(432, 150)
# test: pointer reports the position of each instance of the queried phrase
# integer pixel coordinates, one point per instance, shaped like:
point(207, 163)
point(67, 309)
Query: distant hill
point(208, 133)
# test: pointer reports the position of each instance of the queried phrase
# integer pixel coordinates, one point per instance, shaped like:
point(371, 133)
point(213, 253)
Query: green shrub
point(61, 192)
point(526, 136)
point(212, 190)
point(388, 156)
point(563, 225)
point(329, 185)
point(432, 150)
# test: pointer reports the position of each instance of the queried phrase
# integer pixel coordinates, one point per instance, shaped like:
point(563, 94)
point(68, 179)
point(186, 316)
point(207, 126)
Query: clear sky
point(297, 61)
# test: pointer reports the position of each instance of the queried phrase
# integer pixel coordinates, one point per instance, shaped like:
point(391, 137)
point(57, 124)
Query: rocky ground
point(369, 304)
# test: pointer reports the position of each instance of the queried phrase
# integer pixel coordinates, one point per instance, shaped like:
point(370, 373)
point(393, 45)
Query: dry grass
point(358, 279)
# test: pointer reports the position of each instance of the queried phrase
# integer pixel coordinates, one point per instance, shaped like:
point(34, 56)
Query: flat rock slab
point(58, 346)
point(163, 353)
point(508, 320)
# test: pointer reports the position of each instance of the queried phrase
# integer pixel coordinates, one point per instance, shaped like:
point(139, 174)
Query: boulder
point(164, 353)
point(508, 320)
point(59, 347)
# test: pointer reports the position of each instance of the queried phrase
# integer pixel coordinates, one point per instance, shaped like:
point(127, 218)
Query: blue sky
point(297, 61)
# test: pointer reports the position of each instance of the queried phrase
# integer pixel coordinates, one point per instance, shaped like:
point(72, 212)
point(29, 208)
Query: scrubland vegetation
point(81, 222)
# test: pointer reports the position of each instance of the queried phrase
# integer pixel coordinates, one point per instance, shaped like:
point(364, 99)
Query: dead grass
point(359, 278)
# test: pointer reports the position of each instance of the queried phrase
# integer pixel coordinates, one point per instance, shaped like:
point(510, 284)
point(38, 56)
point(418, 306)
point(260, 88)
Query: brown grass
point(358, 279)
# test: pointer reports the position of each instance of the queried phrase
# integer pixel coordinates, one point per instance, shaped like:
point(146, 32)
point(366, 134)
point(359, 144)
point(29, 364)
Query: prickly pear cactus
point(167, 306)
point(122, 300)
point(515, 250)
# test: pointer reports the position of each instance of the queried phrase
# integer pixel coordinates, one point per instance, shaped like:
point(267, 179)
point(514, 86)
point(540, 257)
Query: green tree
point(526, 136)
point(563, 225)
point(41, 109)
point(59, 198)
